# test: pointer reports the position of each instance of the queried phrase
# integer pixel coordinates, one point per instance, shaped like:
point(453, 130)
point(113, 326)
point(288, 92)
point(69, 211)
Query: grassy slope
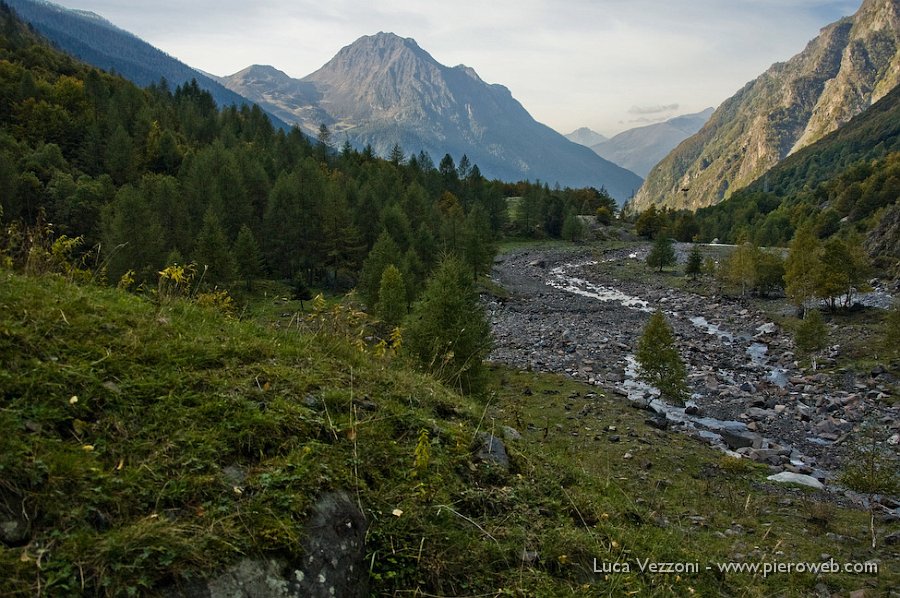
point(126, 488)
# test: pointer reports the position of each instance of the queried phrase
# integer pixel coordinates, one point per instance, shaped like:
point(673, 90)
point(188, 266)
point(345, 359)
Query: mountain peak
point(262, 71)
point(382, 41)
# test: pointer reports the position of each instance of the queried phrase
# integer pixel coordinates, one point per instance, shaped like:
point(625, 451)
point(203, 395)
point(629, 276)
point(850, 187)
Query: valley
point(577, 313)
point(379, 332)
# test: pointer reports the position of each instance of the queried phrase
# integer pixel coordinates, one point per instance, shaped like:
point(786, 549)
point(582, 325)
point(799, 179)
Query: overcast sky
point(606, 64)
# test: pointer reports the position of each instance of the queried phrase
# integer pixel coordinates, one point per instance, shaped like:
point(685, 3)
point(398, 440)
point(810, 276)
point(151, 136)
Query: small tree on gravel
point(811, 335)
point(660, 363)
point(662, 254)
point(694, 262)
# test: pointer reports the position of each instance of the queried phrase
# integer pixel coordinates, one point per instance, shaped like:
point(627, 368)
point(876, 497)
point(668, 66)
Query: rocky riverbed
point(568, 314)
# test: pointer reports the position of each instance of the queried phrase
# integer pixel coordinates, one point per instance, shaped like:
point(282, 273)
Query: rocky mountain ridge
point(850, 65)
point(384, 89)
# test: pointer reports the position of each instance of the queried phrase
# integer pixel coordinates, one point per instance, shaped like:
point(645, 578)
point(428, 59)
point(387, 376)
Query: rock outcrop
point(850, 65)
point(332, 563)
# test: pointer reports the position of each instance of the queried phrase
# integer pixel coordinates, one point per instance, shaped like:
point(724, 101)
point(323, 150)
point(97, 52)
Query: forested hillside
point(96, 41)
point(147, 178)
point(151, 177)
point(847, 182)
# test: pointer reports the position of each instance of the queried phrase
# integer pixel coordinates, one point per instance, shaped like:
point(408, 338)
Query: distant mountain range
point(641, 148)
point(98, 42)
point(586, 137)
point(850, 65)
point(384, 90)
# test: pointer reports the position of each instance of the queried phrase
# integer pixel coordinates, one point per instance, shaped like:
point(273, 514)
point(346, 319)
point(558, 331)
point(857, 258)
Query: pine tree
point(572, 228)
point(384, 253)
point(391, 307)
point(662, 254)
point(447, 332)
point(650, 223)
point(660, 363)
point(246, 256)
point(211, 251)
point(477, 242)
point(694, 262)
point(740, 268)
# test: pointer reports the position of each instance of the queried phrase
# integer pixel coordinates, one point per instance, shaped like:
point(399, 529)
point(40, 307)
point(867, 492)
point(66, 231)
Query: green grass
point(121, 420)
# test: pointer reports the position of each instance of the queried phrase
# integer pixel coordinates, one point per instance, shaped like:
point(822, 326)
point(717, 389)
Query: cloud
point(652, 109)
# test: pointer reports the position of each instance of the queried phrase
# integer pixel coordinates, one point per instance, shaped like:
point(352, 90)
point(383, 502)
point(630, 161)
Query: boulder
point(657, 421)
point(510, 433)
point(332, 564)
point(14, 526)
point(491, 450)
point(735, 439)
point(787, 477)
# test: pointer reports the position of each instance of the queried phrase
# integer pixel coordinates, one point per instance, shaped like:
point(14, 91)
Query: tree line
point(155, 176)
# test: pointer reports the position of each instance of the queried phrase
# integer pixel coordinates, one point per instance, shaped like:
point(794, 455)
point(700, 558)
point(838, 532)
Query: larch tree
point(660, 363)
point(447, 332)
point(663, 254)
point(247, 256)
point(802, 269)
point(391, 307)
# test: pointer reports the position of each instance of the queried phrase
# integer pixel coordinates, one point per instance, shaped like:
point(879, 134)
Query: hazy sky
point(606, 64)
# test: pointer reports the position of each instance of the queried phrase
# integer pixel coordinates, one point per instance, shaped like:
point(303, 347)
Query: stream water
point(708, 428)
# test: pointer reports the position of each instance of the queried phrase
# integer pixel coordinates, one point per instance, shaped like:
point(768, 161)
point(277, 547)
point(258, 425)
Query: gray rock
point(735, 439)
point(757, 413)
point(657, 421)
point(492, 450)
point(332, 563)
point(510, 433)
point(13, 531)
point(787, 477)
point(234, 475)
point(14, 527)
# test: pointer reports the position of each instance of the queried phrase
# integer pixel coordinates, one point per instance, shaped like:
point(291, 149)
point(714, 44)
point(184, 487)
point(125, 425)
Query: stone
point(771, 456)
point(658, 421)
point(510, 433)
point(892, 539)
point(767, 328)
point(333, 562)
point(530, 557)
point(491, 450)
point(14, 528)
point(786, 477)
point(757, 413)
point(735, 439)
point(234, 475)
point(13, 531)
